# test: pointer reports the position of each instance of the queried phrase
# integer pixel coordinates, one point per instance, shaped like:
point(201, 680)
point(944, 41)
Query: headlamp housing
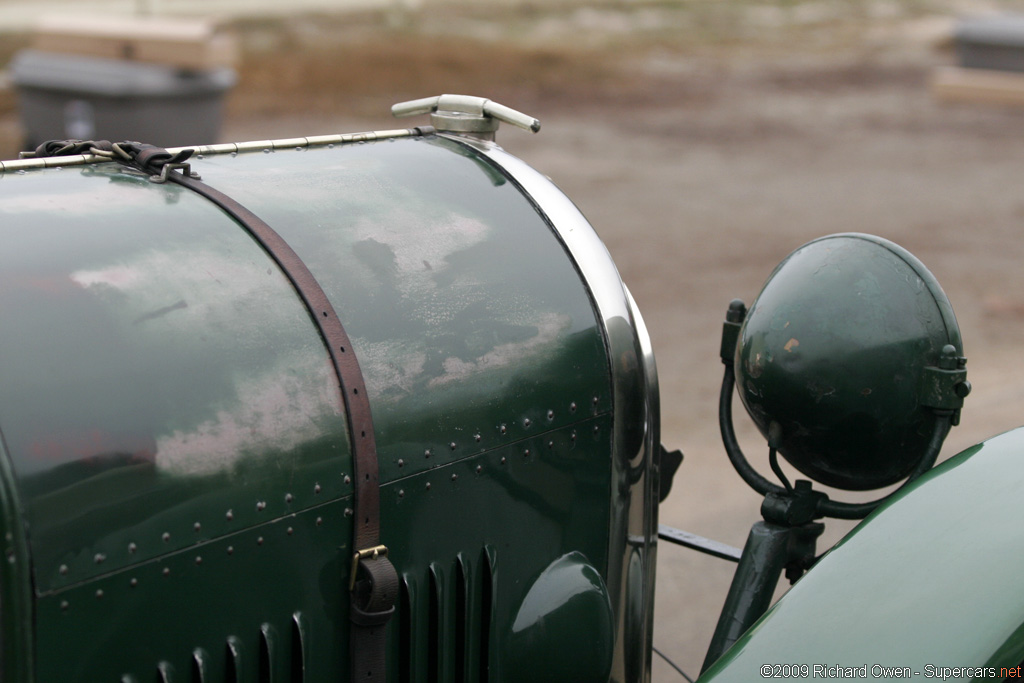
point(838, 356)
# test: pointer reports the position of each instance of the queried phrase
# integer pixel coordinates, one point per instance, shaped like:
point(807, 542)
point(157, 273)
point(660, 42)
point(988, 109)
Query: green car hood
point(928, 586)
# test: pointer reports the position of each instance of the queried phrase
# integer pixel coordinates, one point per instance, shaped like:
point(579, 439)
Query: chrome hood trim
point(636, 410)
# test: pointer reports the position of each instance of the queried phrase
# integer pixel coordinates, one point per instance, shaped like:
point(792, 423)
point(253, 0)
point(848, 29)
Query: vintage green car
point(379, 407)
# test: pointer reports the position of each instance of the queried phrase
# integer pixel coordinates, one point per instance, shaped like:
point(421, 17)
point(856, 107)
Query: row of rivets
point(504, 461)
point(502, 429)
point(166, 571)
point(99, 558)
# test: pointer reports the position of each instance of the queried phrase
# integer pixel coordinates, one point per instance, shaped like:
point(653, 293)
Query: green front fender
point(929, 583)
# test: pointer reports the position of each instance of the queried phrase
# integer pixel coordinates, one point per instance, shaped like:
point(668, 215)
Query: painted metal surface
point(569, 594)
point(893, 598)
point(157, 374)
point(636, 427)
point(167, 408)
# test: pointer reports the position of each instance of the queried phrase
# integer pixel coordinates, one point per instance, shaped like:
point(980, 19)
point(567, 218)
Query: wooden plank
point(958, 84)
point(181, 43)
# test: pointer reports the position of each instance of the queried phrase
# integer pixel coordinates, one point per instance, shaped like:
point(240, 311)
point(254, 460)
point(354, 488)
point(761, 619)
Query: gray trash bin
point(995, 42)
point(63, 96)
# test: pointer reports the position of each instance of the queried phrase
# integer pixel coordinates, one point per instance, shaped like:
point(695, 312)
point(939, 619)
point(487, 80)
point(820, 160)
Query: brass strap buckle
point(371, 553)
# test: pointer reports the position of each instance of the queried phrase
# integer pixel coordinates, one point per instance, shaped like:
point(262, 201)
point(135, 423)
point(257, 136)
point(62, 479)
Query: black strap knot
point(148, 158)
point(63, 148)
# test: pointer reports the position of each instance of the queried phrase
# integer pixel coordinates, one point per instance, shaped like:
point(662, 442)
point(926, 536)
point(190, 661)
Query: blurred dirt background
point(705, 140)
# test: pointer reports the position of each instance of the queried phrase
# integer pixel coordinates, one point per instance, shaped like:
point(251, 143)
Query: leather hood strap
point(374, 582)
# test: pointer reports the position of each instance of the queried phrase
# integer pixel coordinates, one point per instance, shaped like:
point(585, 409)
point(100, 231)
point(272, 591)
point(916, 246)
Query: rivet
point(317, 489)
point(330, 146)
point(504, 460)
point(64, 605)
point(503, 429)
point(348, 512)
point(596, 400)
point(479, 469)
point(197, 527)
point(551, 415)
point(427, 453)
point(259, 541)
point(288, 498)
point(261, 505)
point(134, 582)
point(166, 537)
point(551, 444)
point(526, 452)
point(199, 559)
point(231, 550)
point(452, 445)
point(596, 429)
point(234, 154)
point(99, 593)
point(63, 570)
point(319, 521)
point(347, 479)
point(428, 485)
point(572, 407)
point(455, 477)
point(167, 571)
point(526, 422)
point(572, 435)
point(291, 531)
point(401, 463)
point(266, 151)
point(401, 493)
point(200, 156)
point(230, 515)
point(132, 548)
point(99, 557)
point(477, 438)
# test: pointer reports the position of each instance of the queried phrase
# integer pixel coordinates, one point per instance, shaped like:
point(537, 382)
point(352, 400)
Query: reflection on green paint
point(173, 422)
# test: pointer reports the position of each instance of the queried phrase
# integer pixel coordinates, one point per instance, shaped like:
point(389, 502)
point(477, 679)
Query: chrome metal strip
point(634, 484)
point(651, 482)
point(225, 148)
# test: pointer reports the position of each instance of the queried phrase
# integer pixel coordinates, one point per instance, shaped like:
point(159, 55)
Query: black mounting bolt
point(962, 389)
point(737, 311)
